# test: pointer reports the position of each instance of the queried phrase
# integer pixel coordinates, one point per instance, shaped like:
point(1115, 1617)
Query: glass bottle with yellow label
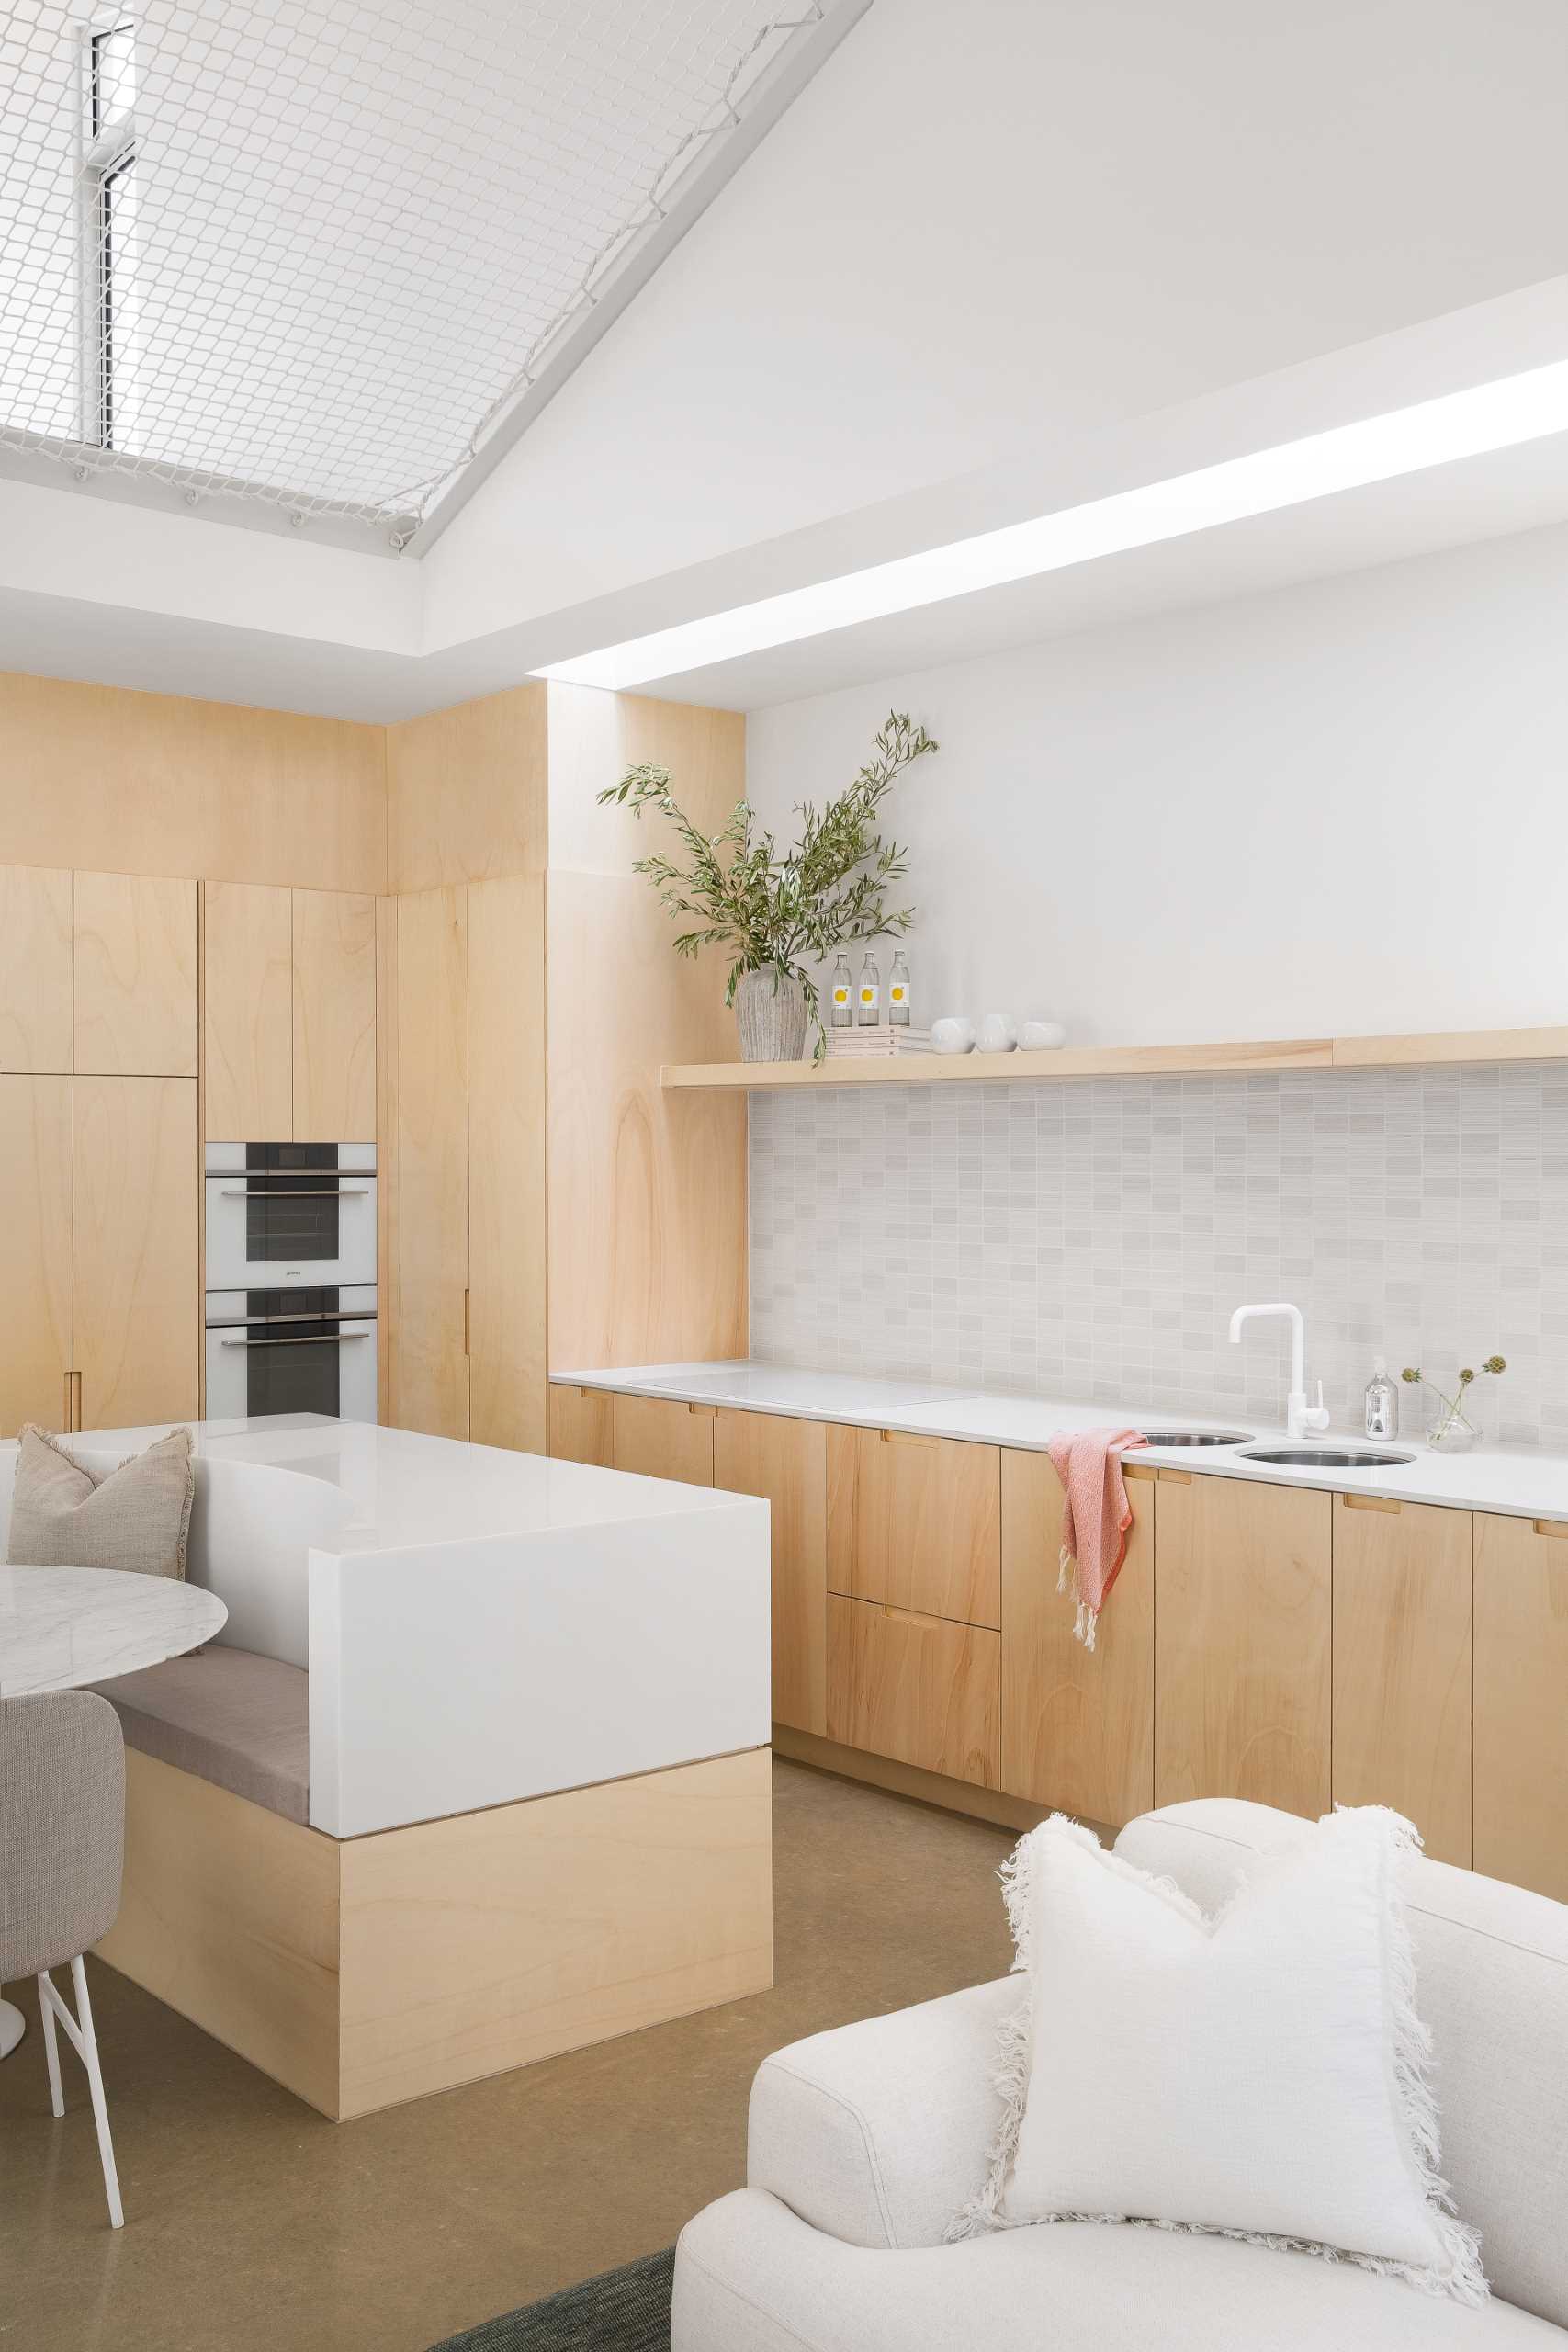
point(898, 992)
point(868, 995)
point(842, 1013)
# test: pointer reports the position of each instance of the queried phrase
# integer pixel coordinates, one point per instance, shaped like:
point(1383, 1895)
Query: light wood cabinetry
point(35, 970)
point(1078, 1725)
point(35, 1252)
point(1243, 1628)
point(137, 1299)
point(582, 1425)
point(507, 1234)
point(655, 1438)
point(428, 1385)
point(135, 975)
point(922, 1689)
point(333, 956)
point(915, 1521)
point(785, 1462)
point(1521, 1702)
point(1401, 1665)
point(247, 1015)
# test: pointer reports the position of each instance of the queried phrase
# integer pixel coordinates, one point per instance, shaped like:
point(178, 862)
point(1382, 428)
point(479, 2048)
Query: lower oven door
point(292, 1366)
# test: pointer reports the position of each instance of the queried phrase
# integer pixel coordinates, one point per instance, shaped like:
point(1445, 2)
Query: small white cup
point(998, 1033)
point(1039, 1036)
point(953, 1034)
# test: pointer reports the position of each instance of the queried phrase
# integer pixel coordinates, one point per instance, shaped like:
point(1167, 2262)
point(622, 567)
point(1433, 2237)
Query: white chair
point(61, 1847)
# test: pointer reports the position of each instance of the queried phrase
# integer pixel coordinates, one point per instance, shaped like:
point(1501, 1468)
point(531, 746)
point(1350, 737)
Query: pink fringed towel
point(1096, 1516)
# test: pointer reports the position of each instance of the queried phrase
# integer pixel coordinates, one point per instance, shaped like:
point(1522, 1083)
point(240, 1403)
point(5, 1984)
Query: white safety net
point(305, 250)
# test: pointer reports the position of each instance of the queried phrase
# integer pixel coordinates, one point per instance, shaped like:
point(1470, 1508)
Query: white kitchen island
point(538, 1809)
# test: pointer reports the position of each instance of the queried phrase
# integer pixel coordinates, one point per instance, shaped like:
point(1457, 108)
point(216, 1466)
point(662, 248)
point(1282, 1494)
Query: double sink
point(1300, 1457)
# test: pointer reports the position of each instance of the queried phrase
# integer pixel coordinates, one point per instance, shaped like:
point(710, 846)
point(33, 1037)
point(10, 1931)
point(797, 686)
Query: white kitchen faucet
point(1301, 1420)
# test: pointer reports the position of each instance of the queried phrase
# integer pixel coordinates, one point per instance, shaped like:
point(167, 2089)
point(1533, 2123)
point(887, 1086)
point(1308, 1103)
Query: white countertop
point(1517, 1482)
point(402, 1490)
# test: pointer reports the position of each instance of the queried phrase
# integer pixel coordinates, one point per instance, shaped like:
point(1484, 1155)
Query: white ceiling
point(986, 255)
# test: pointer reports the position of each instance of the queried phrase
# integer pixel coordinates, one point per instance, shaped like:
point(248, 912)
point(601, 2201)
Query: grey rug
point(621, 2311)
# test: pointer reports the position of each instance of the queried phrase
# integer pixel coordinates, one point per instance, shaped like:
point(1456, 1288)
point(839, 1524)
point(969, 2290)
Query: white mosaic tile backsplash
point(1091, 1238)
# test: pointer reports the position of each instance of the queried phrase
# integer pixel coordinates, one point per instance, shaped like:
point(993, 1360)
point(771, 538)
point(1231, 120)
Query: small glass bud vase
point(1449, 1431)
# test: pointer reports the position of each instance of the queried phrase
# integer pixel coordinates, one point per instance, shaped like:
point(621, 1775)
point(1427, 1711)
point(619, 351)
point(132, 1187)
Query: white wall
point(1341, 807)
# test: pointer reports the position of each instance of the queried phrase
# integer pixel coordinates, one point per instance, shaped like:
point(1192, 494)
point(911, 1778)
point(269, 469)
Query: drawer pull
point(1174, 1477)
point(908, 1616)
point(704, 1412)
point(1551, 1527)
point(1371, 1502)
point(906, 1437)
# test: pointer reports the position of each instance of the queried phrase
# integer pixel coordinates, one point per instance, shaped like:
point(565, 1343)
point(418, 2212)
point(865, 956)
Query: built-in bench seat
point(230, 1716)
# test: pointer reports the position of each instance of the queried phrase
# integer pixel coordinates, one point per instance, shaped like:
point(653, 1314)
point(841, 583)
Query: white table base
point(13, 2024)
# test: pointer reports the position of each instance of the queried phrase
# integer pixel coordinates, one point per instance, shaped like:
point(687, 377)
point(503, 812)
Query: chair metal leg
point(50, 2042)
point(85, 2041)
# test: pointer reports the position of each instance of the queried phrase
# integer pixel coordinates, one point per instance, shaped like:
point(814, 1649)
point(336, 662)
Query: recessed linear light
point(1405, 441)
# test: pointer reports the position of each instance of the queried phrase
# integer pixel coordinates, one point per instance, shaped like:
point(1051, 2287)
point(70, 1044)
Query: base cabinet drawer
point(916, 1522)
point(921, 1689)
point(1521, 1702)
point(650, 1436)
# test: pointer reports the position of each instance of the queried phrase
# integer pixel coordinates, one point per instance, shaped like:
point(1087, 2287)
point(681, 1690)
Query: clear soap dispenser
point(1382, 1401)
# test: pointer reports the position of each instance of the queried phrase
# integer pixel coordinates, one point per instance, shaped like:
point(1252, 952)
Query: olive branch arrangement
point(1453, 1407)
point(773, 910)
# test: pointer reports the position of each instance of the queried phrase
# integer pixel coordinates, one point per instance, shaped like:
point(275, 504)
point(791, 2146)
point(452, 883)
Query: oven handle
point(322, 1340)
point(299, 1193)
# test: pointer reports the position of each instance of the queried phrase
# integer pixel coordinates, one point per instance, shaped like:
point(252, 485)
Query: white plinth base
point(13, 2024)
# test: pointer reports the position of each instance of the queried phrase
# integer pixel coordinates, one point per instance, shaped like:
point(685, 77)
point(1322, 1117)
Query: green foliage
point(774, 910)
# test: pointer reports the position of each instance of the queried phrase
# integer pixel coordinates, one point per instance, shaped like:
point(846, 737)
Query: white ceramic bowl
point(953, 1034)
point(1039, 1036)
point(998, 1033)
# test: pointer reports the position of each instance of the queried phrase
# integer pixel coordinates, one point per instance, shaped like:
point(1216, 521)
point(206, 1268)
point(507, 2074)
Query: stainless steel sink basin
point(1197, 1437)
point(1324, 1457)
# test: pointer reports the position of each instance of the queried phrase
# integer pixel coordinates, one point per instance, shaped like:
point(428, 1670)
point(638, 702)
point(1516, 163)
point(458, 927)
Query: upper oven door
point(285, 1214)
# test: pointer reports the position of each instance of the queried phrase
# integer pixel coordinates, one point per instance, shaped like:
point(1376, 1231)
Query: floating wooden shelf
point(1417, 1052)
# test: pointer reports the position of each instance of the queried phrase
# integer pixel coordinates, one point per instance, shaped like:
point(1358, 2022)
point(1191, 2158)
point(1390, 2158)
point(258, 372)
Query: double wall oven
point(292, 1279)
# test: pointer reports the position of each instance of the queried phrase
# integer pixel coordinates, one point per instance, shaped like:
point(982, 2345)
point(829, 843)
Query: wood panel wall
point(646, 1204)
point(102, 777)
point(466, 792)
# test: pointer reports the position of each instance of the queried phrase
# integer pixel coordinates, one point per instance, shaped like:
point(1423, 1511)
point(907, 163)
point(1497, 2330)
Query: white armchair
point(867, 2141)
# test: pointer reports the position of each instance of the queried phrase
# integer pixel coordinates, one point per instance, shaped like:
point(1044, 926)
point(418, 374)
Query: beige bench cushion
point(230, 1717)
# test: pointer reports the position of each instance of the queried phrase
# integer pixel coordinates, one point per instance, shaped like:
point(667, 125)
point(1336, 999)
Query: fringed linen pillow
point(1260, 2074)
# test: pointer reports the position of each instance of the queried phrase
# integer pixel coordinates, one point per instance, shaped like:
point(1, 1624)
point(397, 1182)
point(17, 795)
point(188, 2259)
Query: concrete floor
point(251, 2222)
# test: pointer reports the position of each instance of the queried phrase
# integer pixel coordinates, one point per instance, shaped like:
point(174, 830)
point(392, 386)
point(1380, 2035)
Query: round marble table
point(61, 1627)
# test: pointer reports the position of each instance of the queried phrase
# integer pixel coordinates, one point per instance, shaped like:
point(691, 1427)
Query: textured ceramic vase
point(770, 1012)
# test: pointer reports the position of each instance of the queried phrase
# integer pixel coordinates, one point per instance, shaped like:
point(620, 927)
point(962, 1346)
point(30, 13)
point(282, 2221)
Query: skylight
point(306, 250)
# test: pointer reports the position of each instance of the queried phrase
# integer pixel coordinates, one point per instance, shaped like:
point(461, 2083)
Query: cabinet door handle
point(906, 1437)
point(1551, 1527)
point(704, 1412)
point(908, 1616)
point(467, 1326)
point(1372, 1502)
point(76, 1421)
point(66, 1424)
point(1174, 1477)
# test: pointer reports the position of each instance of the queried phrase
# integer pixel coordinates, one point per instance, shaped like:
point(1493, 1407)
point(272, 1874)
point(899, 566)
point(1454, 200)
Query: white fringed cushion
point(1262, 2074)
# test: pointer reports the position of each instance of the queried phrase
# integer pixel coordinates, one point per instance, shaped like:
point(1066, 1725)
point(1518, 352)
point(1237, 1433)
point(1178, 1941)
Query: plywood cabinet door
point(135, 959)
point(916, 1521)
point(428, 1367)
point(507, 1236)
point(35, 1252)
point(1078, 1724)
point(138, 1303)
point(660, 1437)
point(785, 1462)
point(582, 1425)
point(1521, 1702)
point(1243, 1615)
point(35, 970)
point(247, 1022)
point(333, 1045)
point(1402, 1665)
point(921, 1689)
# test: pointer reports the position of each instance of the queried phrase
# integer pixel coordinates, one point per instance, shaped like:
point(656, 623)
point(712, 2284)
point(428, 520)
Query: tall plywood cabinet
point(98, 1166)
point(289, 1014)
